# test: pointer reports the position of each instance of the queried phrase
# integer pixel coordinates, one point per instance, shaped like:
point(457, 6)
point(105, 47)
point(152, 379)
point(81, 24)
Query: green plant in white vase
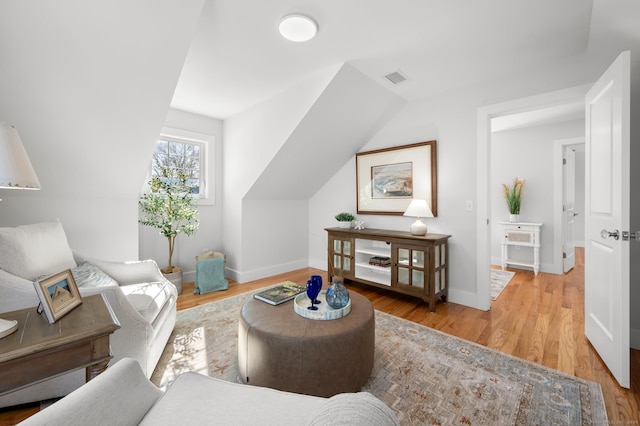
point(169, 207)
point(345, 219)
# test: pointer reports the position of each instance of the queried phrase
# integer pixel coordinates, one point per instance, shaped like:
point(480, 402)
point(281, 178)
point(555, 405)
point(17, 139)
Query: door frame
point(483, 191)
point(558, 198)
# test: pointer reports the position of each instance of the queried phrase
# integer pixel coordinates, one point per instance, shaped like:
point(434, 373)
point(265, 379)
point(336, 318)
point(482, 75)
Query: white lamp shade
point(298, 28)
point(418, 208)
point(16, 171)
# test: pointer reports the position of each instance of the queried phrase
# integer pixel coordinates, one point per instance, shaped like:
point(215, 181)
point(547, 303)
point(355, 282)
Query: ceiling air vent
point(396, 77)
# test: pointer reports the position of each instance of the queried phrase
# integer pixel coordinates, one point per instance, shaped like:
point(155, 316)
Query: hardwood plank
point(539, 318)
point(566, 345)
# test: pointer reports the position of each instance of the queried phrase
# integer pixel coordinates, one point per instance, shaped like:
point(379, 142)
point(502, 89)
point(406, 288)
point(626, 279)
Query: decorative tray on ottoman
point(324, 312)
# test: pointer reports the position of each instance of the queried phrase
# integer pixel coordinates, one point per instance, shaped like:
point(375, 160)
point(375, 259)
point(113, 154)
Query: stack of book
point(380, 261)
point(280, 293)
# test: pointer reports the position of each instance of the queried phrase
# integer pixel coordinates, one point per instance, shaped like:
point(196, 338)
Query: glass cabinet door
point(411, 264)
point(342, 252)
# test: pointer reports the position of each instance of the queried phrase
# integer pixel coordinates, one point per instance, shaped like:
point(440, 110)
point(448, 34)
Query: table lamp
point(16, 172)
point(418, 208)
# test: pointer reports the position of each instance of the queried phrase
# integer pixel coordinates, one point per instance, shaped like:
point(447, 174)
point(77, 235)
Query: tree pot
point(176, 279)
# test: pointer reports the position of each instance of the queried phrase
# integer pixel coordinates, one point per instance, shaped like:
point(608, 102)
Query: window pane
point(172, 157)
point(176, 148)
point(191, 150)
point(162, 147)
point(193, 165)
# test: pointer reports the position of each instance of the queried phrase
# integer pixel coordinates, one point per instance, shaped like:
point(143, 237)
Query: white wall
point(441, 120)
point(451, 120)
point(295, 155)
point(528, 153)
point(251, 140)
point(274, 237)
point(209, 234)
point(88, 84)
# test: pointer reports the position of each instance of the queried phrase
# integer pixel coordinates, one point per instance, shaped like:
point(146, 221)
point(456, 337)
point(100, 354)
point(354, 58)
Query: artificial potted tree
point(170, 207)
point(513, 197)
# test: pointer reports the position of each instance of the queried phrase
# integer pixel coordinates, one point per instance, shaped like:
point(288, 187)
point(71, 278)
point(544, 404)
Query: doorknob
point(575, 214)
point(606, 234)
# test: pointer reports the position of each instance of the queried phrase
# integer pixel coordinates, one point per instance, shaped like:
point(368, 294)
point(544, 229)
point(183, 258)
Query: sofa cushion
point(121, 395)
point(89, 275)
point(37, 250)
point(195, 399)
point(353, 409)
point(147, 298)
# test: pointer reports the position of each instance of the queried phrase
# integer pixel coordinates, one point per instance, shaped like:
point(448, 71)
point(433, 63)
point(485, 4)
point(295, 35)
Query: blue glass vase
point(337, 295)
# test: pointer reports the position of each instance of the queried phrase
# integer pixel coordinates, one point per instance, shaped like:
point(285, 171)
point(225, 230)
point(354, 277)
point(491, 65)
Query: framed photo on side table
point(58, 295)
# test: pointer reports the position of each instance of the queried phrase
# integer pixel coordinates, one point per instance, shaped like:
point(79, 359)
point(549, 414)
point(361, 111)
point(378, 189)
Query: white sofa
point(123, 396)
point(141, 298)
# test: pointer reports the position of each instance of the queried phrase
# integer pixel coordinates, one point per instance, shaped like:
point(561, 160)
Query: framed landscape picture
point(58, 295)
point(388, 179)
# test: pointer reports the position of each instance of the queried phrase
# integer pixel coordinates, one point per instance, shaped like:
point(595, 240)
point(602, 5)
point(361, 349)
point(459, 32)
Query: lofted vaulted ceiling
point(238, 59)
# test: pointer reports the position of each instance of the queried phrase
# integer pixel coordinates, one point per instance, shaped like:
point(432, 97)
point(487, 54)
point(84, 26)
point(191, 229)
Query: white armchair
point(141, 298)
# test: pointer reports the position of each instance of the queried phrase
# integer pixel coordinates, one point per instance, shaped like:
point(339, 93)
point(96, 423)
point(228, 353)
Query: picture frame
point(388, 179)
point(58, 295)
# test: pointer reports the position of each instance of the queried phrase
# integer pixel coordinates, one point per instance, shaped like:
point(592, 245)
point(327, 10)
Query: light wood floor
point(536, 318)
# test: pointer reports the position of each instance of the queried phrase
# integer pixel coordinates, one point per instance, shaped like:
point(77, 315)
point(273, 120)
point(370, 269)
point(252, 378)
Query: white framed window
point(187, 152)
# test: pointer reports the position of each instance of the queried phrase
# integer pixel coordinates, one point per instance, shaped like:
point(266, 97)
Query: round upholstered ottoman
point(280, 349)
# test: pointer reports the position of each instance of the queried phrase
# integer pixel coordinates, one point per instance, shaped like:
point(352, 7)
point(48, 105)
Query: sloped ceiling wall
point(340, 122)
point(88, 84)
point(289, 162)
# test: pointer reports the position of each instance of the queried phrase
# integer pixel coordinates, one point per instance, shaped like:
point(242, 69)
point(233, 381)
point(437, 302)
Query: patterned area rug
point(499, 280)
point(425, 376)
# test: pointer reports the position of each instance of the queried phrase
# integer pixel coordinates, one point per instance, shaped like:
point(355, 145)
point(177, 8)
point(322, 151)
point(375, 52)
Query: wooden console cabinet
point(393, 260)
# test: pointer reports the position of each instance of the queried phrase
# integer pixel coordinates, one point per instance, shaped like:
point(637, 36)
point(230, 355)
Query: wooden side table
point(38, 351)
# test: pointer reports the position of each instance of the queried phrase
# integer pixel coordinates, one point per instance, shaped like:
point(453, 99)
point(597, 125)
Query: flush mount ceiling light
point(298, 27)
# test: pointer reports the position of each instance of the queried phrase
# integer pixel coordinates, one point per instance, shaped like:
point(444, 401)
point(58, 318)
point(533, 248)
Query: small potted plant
point(345, 219)
point(513, 197)
point(169, 207)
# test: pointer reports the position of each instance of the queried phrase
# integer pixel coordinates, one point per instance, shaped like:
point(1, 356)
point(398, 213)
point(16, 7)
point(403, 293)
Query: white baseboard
point(465, 298)
point(188, 276)
point(318, 263)
point(242, 277)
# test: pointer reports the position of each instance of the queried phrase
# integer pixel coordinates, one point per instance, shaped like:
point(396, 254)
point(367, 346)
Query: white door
point(607, 184)
point(569, 208)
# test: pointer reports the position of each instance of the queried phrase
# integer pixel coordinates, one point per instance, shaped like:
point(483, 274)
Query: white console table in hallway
point(523, 234)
